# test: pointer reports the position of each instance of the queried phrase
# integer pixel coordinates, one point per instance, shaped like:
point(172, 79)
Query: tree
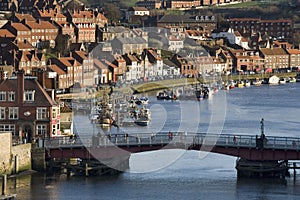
point(62, 44)
point(112, 12)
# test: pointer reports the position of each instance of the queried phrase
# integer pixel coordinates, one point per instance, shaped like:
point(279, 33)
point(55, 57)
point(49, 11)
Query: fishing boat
point(165, 96)
point(143, 117)
point(202, 92)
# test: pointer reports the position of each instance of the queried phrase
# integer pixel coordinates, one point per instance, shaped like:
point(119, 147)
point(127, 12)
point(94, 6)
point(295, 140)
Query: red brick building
point(25, 107)
point(281, 28)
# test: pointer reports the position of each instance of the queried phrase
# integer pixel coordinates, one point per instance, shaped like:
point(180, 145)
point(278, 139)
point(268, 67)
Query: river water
point(179, 174)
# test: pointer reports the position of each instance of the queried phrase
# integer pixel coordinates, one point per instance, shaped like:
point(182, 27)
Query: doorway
point(28, 133)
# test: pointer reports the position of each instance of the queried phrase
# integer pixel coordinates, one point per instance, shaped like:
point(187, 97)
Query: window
point(41, 113)
point(41, 129)
point(7, 128)
point(13, 112)
point(29, 95)
point(53, 113)
point(11, 96)
point(2, 96)
point(2, 112)
point(53, 129)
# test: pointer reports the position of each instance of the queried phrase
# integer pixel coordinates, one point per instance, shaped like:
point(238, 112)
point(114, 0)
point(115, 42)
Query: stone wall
point(5, 153)
point(13, 159)
point(22, 155)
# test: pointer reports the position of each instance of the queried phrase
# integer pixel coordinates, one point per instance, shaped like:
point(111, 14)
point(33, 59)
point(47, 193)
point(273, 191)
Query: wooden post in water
point(16, 164)
point(4, 184)
point(86, 169)
point(294, 166)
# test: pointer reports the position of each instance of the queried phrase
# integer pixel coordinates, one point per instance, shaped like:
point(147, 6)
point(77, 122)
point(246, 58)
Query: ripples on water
point(188, 177)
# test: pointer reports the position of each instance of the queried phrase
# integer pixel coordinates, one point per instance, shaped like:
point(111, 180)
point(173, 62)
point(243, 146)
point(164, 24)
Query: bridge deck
point(245, 146)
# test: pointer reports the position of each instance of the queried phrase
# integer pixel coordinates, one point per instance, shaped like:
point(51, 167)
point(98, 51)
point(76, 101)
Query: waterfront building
point(26, 108)
point(294, 58)
point(275, 58)
point(244, 61)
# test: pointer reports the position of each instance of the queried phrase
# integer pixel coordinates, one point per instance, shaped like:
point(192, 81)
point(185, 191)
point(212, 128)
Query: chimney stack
point(40, 75)
point(20, 85)
point(1, 74)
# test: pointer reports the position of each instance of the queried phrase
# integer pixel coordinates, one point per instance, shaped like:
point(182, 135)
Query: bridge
point(257, 155)
point(250, 147)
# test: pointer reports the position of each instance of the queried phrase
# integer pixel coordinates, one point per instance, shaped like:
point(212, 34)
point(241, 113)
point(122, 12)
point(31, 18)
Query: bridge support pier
point(261, 169)
point(88, 167)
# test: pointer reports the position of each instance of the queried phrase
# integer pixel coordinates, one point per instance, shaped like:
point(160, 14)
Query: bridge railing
point(183, 138)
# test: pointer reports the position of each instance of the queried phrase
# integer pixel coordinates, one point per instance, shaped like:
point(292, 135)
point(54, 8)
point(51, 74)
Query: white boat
point(274, 80)
point(282, 81)
point(292, 80)
point(247, 83)
point(257, 82)
point(144, 100)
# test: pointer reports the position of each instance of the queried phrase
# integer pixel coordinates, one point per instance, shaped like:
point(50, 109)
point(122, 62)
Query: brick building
point(281, 28)
point(26, 108)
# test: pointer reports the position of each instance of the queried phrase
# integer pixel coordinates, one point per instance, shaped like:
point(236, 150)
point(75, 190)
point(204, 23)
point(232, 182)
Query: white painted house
point(233, 37)
point(137, 11)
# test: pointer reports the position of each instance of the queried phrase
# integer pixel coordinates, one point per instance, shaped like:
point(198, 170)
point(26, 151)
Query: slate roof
point(131, 40)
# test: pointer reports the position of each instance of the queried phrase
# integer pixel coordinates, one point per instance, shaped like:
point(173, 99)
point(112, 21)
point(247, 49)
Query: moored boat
point(257, 82)
point(292, 80)
point(247, 83)
point(274, 80)
point(282, 81)
point(240, 84)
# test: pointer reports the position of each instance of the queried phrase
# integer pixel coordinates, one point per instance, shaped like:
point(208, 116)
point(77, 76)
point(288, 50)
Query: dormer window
point(29, 95)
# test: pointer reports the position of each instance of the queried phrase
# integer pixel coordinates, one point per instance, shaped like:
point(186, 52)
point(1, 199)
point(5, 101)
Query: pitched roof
point(40, 25)
point(99, 64)
point(273, 51)
point(137, 9)
point(51, 13)
point(293, 51)
point(6, 33)
point(30, 83)
point(19, 26)
point(22, 16)
point(56, 69)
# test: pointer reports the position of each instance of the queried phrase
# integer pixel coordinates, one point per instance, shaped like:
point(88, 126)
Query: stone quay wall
point(13, 159)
